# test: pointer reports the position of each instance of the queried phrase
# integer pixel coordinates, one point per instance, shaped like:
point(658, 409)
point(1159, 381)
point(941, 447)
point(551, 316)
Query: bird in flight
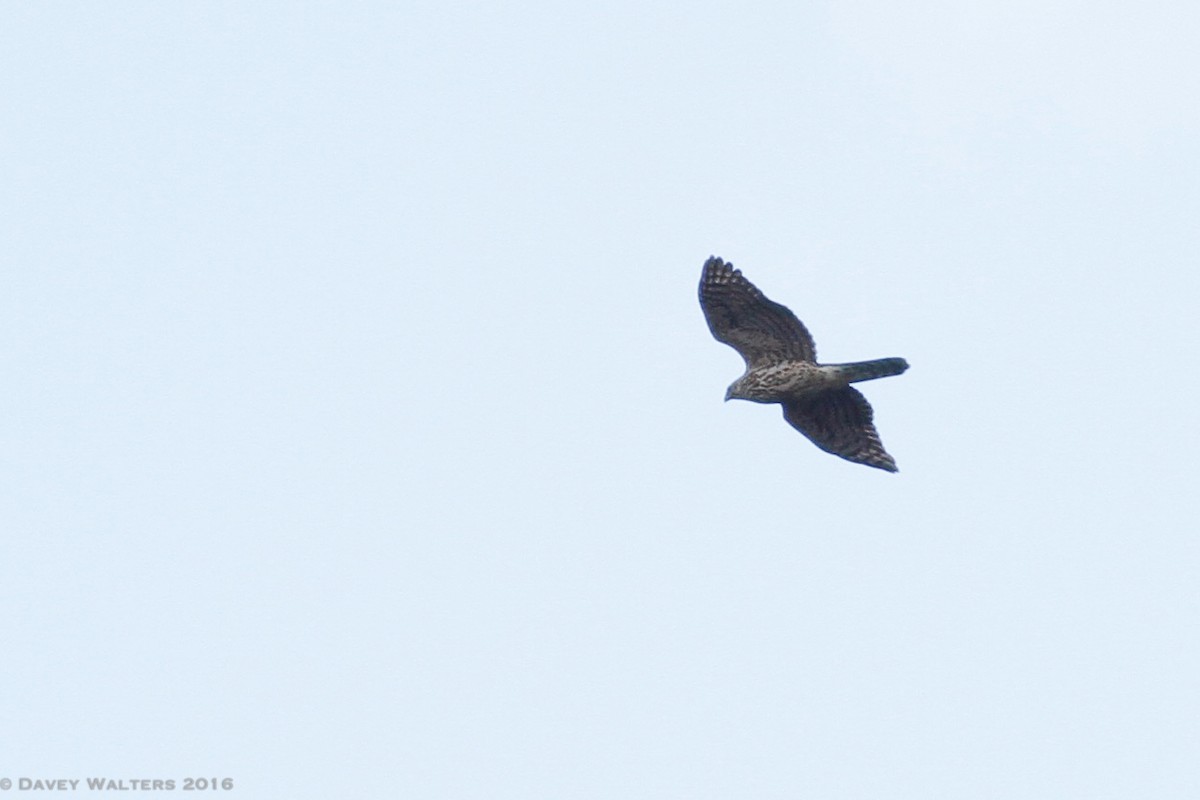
point(781, 367)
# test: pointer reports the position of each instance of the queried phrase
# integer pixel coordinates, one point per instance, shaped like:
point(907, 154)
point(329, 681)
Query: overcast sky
point(362, 435)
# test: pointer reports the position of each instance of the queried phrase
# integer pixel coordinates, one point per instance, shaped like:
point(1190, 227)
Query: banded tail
point(869, 370)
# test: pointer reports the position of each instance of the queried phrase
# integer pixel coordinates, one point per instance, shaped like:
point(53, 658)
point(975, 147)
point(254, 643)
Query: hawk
point(781, 367)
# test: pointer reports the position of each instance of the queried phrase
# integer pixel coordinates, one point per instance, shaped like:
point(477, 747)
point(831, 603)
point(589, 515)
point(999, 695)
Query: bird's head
point(750, 387)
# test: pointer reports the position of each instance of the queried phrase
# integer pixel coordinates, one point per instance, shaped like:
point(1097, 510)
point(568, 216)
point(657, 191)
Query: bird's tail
point(870, 370)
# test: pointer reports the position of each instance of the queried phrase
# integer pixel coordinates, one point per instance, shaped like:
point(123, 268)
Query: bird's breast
point(788, 380)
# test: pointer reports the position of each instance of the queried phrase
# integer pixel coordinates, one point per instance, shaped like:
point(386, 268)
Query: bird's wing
point(839, 422)
point(739, 315)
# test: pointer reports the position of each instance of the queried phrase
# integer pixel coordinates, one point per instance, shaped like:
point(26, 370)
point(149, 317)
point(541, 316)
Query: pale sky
point(362, 435)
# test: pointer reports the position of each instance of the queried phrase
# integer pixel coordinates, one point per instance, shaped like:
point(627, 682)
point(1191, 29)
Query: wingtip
point(879, 459)
point(718, 270)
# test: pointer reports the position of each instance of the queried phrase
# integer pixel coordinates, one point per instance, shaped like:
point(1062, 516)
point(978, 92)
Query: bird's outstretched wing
point(839, 422)
point(739, 315)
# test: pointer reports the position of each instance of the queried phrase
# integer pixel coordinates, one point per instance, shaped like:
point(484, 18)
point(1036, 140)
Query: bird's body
point(781, 367)
point(790, 380)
